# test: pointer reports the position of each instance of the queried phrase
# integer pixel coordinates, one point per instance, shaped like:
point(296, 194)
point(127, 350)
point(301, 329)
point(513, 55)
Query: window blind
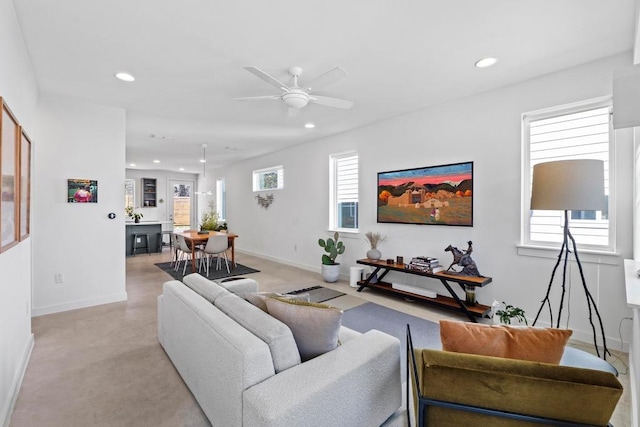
point(578, 135)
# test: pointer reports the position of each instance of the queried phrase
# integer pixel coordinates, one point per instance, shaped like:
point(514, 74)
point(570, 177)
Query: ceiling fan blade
point(326, 79)
point(252, 98)
point(331, 102)
point(267, 78)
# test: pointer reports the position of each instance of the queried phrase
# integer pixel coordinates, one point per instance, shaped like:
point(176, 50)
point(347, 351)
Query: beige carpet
point(103, 366)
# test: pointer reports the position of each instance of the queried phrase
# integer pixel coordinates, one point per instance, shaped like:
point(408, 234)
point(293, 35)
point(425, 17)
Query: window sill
point(586, 255)
point(346, 232)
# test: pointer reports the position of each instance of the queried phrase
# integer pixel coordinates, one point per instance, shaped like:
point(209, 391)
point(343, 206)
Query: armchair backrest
point(464, 389)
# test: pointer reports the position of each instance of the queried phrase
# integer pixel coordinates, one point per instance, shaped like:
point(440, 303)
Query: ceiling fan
point(297, 97)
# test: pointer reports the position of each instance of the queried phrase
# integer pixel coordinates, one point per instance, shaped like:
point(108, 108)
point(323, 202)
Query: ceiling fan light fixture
point(295, 99)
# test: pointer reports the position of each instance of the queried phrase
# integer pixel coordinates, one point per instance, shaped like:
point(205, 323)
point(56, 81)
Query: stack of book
point(426, 264)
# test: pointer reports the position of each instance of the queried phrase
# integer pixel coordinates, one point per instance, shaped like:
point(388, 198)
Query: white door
point(181, 206)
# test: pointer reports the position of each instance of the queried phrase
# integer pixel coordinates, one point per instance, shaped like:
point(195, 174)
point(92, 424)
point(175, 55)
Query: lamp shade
point(568, 185)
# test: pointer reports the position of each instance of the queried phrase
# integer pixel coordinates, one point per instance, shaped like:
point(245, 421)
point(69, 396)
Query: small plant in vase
point(333, 247)
point(133, 214)
point(510, 313)
point(374, 240)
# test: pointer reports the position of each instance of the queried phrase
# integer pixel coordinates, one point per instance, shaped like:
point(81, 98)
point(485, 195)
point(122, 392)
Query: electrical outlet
point(139, 240)
point(295, 248)
point(58, 278)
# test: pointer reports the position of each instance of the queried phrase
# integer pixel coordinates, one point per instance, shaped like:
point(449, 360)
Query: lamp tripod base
point(563, 256)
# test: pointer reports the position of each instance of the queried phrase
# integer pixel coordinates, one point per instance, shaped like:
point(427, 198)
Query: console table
point(453, 302)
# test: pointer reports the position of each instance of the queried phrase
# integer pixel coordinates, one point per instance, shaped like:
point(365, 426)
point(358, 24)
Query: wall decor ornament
point(265, 201)
point(433, 195)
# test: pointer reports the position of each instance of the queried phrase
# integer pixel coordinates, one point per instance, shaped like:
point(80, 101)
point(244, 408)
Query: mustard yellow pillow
point(511, 342)
point(315, 327)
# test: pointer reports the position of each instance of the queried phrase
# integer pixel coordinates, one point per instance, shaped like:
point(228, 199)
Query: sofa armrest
point(357, 384)
point(238, 285)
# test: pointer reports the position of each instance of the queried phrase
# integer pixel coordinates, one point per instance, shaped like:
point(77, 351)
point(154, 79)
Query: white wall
point(82, 141)
point(18, 88)
point(484, 129)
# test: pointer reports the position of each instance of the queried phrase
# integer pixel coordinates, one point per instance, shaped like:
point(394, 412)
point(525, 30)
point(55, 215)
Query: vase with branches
point(374, 239)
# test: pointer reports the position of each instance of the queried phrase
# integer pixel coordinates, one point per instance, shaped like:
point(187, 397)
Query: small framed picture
point(82, 191)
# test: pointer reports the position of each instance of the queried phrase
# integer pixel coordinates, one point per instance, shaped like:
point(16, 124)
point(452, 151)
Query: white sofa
point(243, 367)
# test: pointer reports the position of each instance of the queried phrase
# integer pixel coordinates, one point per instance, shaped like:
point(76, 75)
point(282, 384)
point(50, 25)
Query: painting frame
point(9, 206)
point(82, 191)
point(429, 195)
point(24, 184)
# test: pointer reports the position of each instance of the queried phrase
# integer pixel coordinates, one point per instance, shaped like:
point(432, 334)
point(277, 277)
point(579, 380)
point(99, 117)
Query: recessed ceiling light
point(203, 161)
point(133, 165)
point(309, 125)
point(156, 161)
point(125, 77)
point(486, 62)
point(181, 169)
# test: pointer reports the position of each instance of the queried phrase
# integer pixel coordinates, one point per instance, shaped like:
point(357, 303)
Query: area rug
point(214, 274)
point(318, 293)
point(425, 334)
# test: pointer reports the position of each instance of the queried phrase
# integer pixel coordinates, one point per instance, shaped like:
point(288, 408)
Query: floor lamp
point(570, 185)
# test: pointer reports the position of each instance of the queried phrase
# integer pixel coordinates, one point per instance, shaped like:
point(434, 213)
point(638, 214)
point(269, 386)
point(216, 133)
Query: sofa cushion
point(206, 288)
point(524, 343)
point(315, 327)
point(270, 330)
point(259, 299)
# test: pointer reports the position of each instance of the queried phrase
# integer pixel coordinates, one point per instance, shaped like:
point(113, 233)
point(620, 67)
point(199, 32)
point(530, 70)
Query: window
point(578, 131)
point(268, 179)
point(343, 201)
point(221, 199)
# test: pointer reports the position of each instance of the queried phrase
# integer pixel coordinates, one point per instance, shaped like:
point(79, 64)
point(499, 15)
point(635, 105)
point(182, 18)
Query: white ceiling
point(401, 56)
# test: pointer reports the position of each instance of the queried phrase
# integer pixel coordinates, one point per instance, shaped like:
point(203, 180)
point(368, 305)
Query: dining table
point(195, 238)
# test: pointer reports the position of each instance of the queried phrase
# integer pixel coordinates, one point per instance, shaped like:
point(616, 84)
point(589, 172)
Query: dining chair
point(186, 253)
point(217, 246)
point(174, 249)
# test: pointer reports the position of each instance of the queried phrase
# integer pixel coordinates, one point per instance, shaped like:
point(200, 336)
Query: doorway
point(181, 211)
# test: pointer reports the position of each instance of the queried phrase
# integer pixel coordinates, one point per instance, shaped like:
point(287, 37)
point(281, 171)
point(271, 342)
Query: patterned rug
point(318, 293)
point(214, 274)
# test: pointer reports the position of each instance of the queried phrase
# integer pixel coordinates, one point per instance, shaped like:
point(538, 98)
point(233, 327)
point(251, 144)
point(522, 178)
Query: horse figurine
point(463, 259)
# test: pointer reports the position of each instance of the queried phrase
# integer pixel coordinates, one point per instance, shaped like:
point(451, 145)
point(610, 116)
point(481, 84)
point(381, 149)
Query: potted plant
point(222, 227)
point(509, 313)
point(374, 240)
point(333, 247)
point(209, 218)
point(133, 214)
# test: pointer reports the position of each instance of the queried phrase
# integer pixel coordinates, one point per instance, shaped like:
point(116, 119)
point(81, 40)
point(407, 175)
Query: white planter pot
point(331, 272)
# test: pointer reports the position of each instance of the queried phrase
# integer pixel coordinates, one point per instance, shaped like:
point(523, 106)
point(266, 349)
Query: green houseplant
point(509, 313)
point(333, 247)
point(210, 218)
point(133, 214)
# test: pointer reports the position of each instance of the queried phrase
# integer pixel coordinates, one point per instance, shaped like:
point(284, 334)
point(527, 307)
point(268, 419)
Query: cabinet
point(446, 278)
point(149, 193)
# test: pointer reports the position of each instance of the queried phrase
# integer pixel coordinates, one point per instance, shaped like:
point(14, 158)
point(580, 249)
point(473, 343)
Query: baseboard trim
point(5, 417)
point(289, 263)
point(74, 305)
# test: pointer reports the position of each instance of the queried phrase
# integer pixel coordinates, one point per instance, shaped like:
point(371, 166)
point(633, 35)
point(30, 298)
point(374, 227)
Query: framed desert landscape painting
point(9, 203)
point(431, 195)
point(25, 185)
